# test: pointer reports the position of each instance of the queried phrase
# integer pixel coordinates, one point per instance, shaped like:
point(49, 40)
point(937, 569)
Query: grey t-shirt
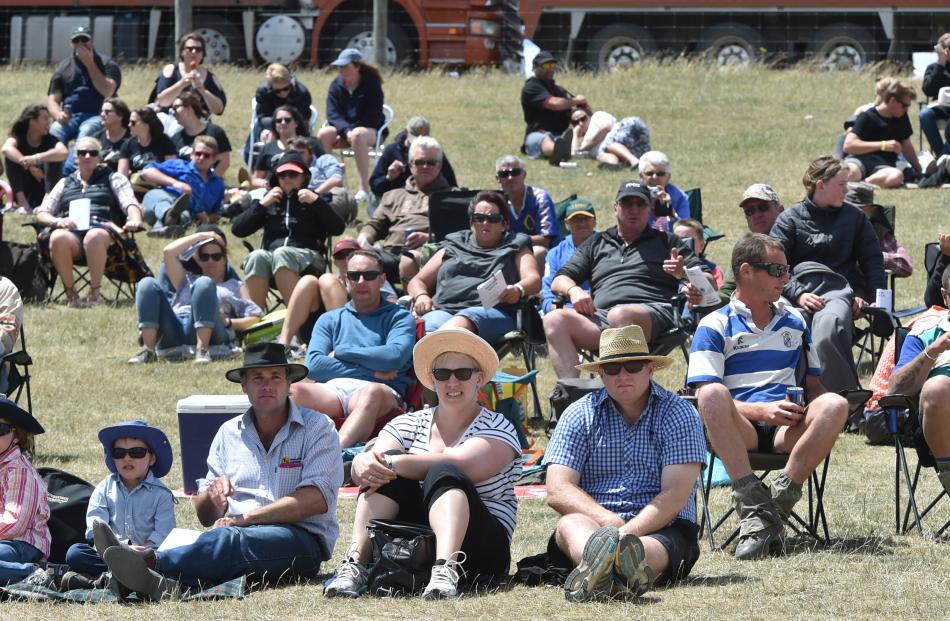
point(466, 265)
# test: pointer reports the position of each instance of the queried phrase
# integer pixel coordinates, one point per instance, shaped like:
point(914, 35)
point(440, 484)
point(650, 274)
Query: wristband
point(520, 290)
point(391, 463)
point(883, 145)
point(568, 292)
point(419, 296)
point(929, 357)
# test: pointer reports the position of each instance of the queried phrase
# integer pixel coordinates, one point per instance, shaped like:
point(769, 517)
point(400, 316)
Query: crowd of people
point(623, 461)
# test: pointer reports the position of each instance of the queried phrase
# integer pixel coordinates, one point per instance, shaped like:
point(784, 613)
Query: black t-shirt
point(183, 139)
point(46, 143)
point(157, 150)
point(873, 127)
point(109, 147)
point(536, 116)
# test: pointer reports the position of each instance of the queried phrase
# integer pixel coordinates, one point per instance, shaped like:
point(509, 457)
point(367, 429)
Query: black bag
point(24, 265)
point(68, 498)
point(403, 555)
point(567, 391)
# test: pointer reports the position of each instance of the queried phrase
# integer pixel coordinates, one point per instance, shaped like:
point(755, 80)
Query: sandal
point(94, 296)
point(73, 300)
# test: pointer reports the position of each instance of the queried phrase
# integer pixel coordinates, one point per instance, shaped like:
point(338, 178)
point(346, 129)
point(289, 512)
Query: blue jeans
point(266, 552)
point(156, 203)
point(80, 125)
point(83, 558)
point(928, 125)
point(155, 311)
point(491, 323)
point(17, 561)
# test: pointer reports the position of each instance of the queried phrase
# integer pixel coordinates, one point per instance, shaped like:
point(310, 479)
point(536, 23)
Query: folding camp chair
point(525, 340)
point(388, 115)
point(15, 367)
point(448, 212)
point(273, 295)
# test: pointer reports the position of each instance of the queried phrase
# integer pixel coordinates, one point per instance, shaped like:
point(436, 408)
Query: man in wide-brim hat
point(269, 496)
point(622, 468)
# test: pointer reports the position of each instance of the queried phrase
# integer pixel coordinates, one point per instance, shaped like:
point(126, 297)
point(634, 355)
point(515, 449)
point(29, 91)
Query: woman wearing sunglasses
point(280, 88)
point(451, 467)
point(190, 74)
point(198, 302)
point(190, 112)
point(146, 144)
point(115, 115)
point(445, 291)
point(287, 125)
point(111, 205)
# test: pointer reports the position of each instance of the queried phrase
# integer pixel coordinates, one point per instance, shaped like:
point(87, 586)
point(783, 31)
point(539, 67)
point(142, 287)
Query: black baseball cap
point(633, 188)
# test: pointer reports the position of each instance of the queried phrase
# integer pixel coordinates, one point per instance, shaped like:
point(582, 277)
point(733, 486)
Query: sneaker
point(46, 578)
point(562, 149)
point(631, 567)
point(361, 197)
point(75, 580)
point(295, 352)
point(202, 356)
point(146, 356)
point(173, 215)
point(445, 577)
point(594, 576)
point(350, 580)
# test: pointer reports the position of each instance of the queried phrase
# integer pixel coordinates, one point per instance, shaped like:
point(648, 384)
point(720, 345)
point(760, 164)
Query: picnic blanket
point(24, 591)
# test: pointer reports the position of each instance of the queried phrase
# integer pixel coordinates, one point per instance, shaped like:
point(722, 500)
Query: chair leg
point(533, 384)
point(902, 468)
point(706, 488)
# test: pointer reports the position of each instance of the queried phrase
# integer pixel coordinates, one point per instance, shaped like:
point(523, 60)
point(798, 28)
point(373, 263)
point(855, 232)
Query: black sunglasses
point(289, 173)
point(211, 256)
point(463, 373)
point(282, 89)
point(507, 174)
point(284, 119)
point(136, 452)
point(494, 218)
point(87, 152)
point(775, 270)
point(758, 207)
point(368, 275)
point(630, 366)
point(193, 48)
point(6, 428)
point(418, 163)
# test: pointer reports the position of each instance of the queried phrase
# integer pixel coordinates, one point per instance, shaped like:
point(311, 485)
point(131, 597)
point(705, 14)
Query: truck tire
point(731, 44)
point(843, 47)
point(224, 39)
point(619, 44)
point(358, 34)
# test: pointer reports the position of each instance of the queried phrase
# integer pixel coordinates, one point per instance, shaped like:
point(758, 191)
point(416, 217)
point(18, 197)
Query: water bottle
point(567, 164)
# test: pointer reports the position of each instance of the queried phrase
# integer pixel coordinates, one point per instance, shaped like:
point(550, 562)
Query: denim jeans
point(266, 552)
point(928, 125)
point(491, 323)
point(80, 125)
point(155, 311)
point(17, 561)
point(83, 558)
point(156, 202)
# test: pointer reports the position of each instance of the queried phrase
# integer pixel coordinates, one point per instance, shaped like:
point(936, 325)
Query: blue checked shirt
point(621, 465)
point(146, 513)
point(305, 453)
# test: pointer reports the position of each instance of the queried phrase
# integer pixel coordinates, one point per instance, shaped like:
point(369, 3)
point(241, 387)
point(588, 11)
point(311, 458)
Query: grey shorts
point(868, 164)
point(661, 317)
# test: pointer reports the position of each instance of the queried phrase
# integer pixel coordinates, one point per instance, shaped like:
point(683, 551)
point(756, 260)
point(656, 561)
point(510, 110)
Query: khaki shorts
point(264, 263)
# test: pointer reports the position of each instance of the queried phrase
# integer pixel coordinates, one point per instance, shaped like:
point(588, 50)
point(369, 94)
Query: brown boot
point(785, 493)
point(760, 528)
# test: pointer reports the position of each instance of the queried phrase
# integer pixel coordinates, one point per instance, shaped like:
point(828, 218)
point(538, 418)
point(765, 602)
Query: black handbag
point(403, 555)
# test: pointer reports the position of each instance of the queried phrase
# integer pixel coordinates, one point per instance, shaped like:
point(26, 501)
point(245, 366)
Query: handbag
point(403, 555)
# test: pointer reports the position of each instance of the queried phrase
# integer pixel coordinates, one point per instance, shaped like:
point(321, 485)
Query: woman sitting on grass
point(28, 153)
point(199, 305)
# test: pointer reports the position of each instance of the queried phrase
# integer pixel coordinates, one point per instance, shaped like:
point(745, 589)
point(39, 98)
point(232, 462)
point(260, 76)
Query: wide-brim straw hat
point(623, 344)
point(456, 340)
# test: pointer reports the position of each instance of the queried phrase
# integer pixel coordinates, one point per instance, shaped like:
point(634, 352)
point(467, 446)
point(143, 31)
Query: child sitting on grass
point(24, 535)
point(131, 500)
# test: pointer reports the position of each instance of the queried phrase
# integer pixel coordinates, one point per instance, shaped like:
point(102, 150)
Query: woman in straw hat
point(452, 467)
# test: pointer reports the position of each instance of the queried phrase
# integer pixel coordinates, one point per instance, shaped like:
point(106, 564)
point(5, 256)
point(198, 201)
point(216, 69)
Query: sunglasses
point(211, 256)
point(177, 106)
point(508, 174)
point(368, 275)
point(6, 428)
point(578, 121)
point(751, 210)
point(463, 373)
point(655, 173)
point(630, 366)
point(133, 123)
point(201, 154)
point(548, 66)
point(136, 452)
point(288, 174)
point(284, 119)
point(193, 48)
point(420, 163)
point(775, 270)
point(282, 89)
point(87, 152)
point(481, 218)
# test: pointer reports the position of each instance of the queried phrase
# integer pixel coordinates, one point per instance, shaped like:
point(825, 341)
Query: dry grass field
point(723, 131)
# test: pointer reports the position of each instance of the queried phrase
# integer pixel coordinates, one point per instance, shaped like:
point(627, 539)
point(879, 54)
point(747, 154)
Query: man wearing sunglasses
point(360, 355)
point(761, 205)
point(530, 209)
point(744, 358)
point(622, 467)
point(547, 113)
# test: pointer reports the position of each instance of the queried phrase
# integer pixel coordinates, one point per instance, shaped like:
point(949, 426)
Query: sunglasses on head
point(630, 366)
point(508, 174)
point(211, 256)
point(282, 89)
point(751, 210)
point(193, 48)
point(284, 119)
point(420, 163)
point(136, 452)
point(6, 428)
point(87, 152)
point(775, 270)
point(368, 275)
point(463, 373)
point(481, 218)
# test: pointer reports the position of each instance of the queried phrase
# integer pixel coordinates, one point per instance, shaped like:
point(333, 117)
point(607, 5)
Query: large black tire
point(359, 34)
point(224, 38)
point(731, 44)
point(619, 44)
point(843, 46)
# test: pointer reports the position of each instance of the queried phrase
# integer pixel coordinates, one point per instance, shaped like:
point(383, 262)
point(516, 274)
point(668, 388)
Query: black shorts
point(661, 317)
point(766, 435)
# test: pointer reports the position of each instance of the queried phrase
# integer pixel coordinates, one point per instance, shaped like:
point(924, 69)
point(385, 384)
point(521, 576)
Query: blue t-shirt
point(537, 217)
point(556, 257)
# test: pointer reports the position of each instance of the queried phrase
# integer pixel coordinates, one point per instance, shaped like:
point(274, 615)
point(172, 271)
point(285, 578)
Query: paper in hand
point(489, 292)
point(79, 212)
point(698, 279)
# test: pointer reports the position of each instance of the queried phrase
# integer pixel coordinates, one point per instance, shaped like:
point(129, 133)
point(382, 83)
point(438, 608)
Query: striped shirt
point(755, 365)
point(23, 502)
point(537, 217)
point(413, 430)
point(304, 453)
point(621, 465)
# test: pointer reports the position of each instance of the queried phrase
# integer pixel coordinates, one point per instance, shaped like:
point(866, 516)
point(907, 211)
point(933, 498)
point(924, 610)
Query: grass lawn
point(723, 131)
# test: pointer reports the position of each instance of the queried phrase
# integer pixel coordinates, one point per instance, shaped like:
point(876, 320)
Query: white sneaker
point(350, 580)
point(445, 578)
point(361, 197)
point(202, 356)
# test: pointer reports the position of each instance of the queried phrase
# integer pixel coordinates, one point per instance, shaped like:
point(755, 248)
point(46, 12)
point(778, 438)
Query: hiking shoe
point(944, 477)
point(350, 580)
point(593, 577)
point(103, 537)
point(146, 356)
point(760, 542)
point(130, 570)
point(631, 566)
point(445, 577)
point(173, 215)
point(202, 356)
point(761, 531)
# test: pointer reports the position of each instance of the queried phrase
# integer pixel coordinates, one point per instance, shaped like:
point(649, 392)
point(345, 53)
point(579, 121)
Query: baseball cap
point(345, 245)
point(579, 207)
point(634, 188)
point(81, 32)
point(760, 191)
point(543, 57)
point(347, 56)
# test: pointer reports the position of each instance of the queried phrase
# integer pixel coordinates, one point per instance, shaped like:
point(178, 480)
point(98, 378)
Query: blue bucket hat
point(154, 437)
point(19, 417)
point(347, 56)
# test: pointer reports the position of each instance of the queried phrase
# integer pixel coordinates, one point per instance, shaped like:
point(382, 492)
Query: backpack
point(68, 498)
point(403, 554)
point(24, 265)
point(567, 391)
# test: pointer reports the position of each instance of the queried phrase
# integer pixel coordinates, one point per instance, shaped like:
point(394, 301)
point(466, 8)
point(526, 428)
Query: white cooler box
point(199, 417)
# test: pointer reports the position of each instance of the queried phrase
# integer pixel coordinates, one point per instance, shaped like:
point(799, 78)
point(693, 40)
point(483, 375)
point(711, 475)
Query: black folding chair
point(525, 341)
point(448, 212)
point(16, 365)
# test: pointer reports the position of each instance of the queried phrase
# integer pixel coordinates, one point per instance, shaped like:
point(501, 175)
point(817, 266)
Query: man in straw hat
point(269, 497)
point(622, 469)
point(744, 357)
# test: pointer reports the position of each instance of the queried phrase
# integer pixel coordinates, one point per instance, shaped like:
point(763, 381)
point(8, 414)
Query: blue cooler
point(199, 418)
